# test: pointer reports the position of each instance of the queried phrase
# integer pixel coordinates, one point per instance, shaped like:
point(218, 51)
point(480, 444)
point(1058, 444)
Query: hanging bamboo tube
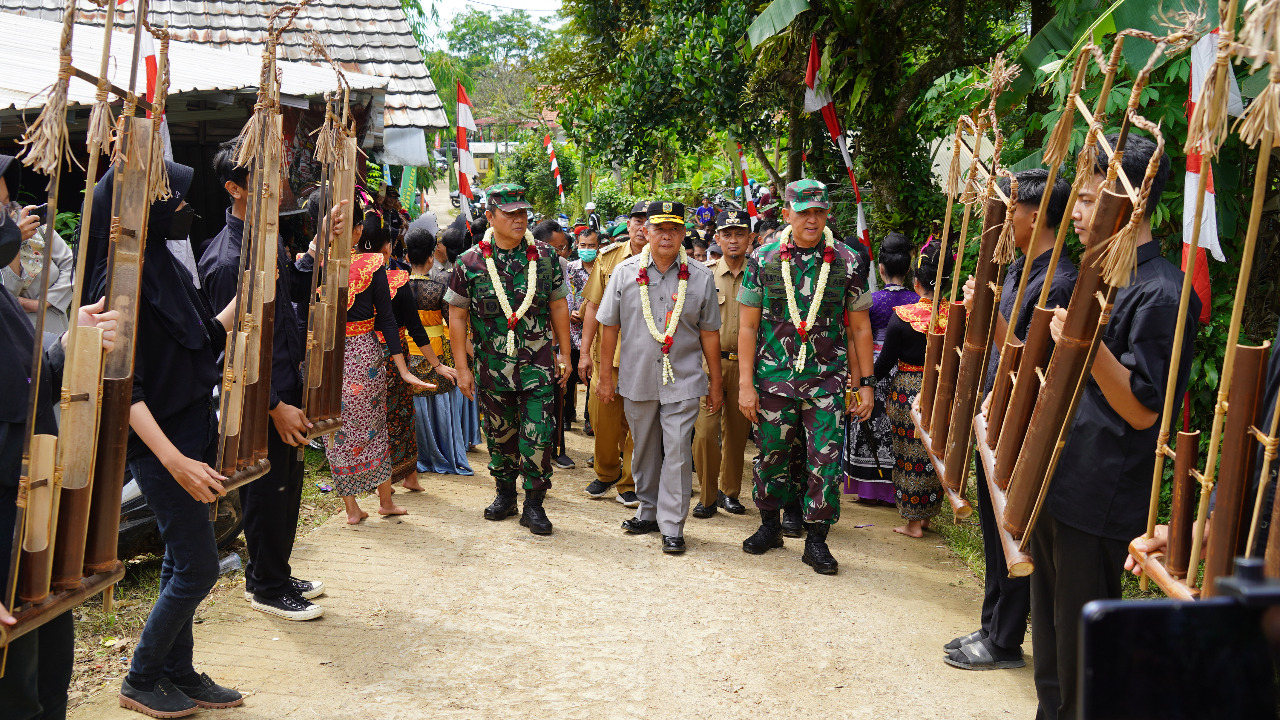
point(1182, 512)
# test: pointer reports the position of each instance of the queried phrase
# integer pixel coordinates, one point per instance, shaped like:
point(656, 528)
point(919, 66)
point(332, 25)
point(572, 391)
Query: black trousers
point(270, 506)
point(570, 413)
point(1073, 567)
point(1007, 600)
point(35, 683)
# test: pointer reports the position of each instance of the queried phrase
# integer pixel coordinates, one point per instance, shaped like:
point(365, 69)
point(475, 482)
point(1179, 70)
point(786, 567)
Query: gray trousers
point(662, 462)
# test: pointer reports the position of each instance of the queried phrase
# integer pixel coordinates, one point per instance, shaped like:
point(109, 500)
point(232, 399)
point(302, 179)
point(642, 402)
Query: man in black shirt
point(1097, 501)
point(270, 503)
point(1006, 601)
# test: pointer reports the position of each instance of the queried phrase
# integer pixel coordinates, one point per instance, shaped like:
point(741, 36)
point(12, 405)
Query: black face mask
point(180, 228)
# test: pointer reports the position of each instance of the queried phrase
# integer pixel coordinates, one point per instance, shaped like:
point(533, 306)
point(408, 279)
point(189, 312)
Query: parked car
point(140, 535)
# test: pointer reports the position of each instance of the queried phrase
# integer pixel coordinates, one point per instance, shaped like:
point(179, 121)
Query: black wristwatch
point(868, 381)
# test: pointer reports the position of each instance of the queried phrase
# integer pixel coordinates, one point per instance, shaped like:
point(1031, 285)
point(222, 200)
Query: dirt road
point(441, 614)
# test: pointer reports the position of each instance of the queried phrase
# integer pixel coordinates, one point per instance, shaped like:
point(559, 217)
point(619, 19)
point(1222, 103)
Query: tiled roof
point(366, 36)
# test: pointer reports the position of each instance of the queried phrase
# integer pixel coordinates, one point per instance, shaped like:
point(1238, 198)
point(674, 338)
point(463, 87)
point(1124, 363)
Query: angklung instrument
point(1238, 418)
point(64, 545)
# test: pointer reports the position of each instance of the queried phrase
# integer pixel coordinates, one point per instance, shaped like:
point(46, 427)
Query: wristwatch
point(868, 381)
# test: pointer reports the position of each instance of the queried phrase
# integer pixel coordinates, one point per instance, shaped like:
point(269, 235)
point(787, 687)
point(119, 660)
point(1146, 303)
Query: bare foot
point(910, 530)
point(393, 510)
point(411, 484)
point(356, 519)
point(925, 525)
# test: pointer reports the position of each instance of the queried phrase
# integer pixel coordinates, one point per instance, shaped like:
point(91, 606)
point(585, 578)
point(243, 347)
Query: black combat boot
point(534, 517)
point(504, 505)
point(793, 519)
point(767, 537)
point(816, 554)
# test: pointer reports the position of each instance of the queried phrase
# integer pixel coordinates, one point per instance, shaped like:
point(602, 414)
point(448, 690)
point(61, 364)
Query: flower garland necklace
point(793, 309)
point(668, 338)
point(531, 272)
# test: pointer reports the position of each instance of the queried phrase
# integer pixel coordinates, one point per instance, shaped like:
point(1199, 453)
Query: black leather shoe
point(636, 526)
point(767, 537)
point(731, 505)
point(816, 554)
point(702, 512)
point(672, 545)
point(793, 521)
point(534, 517)
point(208, 694)
point(163, 701)
point(504, 505)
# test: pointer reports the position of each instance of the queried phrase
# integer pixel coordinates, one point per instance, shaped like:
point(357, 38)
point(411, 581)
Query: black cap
point(661, 211)
point(732, 218)
point(640, 208)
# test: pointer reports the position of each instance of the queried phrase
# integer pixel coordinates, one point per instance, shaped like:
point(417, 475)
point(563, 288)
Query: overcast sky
point(537, 8)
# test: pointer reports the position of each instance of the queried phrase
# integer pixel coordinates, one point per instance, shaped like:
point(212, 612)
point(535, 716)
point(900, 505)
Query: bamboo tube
point(1018, 561)
point(1231, 496)
point(1182, 513)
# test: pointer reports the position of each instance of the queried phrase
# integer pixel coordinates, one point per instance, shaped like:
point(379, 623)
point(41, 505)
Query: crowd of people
point(482, 331)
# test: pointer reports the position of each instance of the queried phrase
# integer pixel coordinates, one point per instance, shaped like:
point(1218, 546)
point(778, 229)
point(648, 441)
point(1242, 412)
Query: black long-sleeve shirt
point(1064, 280)
point(375, 302)
point(901, 343)
point(1102, 484)
point(219, 274)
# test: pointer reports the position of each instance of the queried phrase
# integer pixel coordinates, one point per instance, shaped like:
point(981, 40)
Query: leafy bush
point(530, 167)
point(611, 201)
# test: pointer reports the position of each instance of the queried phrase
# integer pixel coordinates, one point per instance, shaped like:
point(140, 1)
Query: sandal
point(984, 655)
point(963, 640)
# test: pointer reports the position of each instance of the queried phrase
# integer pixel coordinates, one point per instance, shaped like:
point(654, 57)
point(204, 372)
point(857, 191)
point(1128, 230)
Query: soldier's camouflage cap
point(507, 197)
point(804, 194)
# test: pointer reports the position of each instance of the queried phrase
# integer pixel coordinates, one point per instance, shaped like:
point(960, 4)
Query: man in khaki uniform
point(613, 436)
point(720, 437)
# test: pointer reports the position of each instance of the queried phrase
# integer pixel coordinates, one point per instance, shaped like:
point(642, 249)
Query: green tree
point(530, 167)
point(510, 38)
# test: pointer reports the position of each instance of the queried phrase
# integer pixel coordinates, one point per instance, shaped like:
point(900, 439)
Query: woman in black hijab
point(173, 442)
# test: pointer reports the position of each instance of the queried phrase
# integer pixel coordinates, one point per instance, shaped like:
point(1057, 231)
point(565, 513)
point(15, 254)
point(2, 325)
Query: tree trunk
point(795, 140)
point(769, 168)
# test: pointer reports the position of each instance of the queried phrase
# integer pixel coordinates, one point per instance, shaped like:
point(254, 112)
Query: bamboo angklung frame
point(1106, 265)
point(1014, 393)
point(1235, 419)
point(79, 556)
point(326, 337)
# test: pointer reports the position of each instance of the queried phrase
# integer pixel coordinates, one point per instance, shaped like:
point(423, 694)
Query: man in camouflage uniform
point(782, 398)
point(517, 385)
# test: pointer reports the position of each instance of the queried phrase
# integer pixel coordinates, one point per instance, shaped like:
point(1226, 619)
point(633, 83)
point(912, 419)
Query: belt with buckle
point(729, 355)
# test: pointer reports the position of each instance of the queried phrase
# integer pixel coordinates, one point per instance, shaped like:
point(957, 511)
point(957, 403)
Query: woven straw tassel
point(1003, 254)
point(250, 139)
point(1263, 114)
point(1060, 139)
point(1120, 257)
point(47, 138)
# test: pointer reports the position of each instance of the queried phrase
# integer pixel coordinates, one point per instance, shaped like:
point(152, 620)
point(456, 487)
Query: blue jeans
point(190, 566)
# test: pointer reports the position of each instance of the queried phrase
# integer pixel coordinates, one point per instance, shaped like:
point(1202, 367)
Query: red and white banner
point(1203, 54)
point(816, 98)
point(437, 139)
point(466, 163)
point(555, 166)
point(746, 189)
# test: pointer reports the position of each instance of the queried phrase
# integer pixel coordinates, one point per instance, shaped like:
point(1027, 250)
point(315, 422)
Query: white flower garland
point(793, 309)
point(486, 249)
point(665, 339)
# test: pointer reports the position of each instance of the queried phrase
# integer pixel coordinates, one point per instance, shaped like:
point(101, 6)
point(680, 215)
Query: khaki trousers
point(613, 442)
point(719, 440)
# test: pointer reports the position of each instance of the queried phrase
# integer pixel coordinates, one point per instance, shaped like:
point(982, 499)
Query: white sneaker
point(289, 607)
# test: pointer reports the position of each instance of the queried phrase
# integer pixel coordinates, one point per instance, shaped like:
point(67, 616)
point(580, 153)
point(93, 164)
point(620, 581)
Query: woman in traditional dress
point(456, 241)
point(917, 490)
point(441, 446)
point(868, 446)
point(359, 454)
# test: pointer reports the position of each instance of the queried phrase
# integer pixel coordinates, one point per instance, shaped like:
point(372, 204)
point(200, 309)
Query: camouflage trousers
point(520, 431)
point(783, 422)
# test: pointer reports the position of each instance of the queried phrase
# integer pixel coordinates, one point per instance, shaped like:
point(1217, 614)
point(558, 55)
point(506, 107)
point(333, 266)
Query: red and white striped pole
point(555, 166)
point(466, 163)
point(746, 190)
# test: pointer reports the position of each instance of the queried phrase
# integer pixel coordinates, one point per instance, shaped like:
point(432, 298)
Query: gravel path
point(441, 614)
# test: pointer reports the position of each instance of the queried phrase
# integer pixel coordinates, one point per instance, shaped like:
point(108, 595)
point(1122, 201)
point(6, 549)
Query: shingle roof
point(366, 36)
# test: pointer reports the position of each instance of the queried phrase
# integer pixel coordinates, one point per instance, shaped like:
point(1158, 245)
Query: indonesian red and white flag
point(152, 60)
point(746, 190)
point(816, 98)
point(1203, 54)
point(555, 166)
point(437, 139)
point(466, 163)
